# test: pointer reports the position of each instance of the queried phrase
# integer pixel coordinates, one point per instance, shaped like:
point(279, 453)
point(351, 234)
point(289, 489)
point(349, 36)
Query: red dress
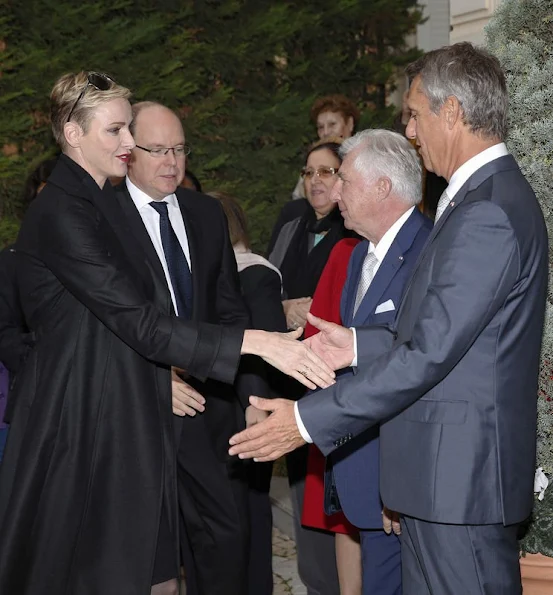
point(326, 305)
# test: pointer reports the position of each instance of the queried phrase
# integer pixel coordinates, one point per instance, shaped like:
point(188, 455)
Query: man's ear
point(384, 187)
point(453, 111)
point(73, 134)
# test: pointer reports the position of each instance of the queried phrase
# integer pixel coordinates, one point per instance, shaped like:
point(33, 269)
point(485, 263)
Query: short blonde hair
point(65, 93)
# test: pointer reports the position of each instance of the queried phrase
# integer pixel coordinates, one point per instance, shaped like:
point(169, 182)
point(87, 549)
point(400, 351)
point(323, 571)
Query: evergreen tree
point(242, 73)
point(521, 36)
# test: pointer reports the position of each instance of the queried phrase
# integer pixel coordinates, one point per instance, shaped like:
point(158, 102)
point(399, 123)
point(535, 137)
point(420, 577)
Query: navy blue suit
point(356, 465)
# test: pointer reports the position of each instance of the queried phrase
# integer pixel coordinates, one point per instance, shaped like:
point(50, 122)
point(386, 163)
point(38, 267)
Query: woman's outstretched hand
point(284, 352)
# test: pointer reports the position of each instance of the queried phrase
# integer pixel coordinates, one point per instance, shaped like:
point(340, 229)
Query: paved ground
point(286, 579)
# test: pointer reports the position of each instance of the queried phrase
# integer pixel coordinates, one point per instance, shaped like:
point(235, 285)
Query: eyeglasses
point(178, 151)
point(323, 172)
point(99, 81)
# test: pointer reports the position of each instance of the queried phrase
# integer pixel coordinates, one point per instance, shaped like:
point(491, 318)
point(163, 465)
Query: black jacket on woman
point(294, 253)
point(90, 457)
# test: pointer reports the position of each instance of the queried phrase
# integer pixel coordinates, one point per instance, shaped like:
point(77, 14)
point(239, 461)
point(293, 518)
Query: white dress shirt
point(459, 177)
point(150, 217)
point(468, 168)
point(380, 251)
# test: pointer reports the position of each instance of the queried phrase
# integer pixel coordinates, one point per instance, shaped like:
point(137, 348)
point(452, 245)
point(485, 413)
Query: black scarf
point(302, 266)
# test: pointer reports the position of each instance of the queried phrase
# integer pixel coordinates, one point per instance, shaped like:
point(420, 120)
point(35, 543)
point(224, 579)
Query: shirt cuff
point(303, 431)
point(354, 362)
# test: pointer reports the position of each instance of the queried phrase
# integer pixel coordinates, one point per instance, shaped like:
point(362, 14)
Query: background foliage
point(242, 73)
point(521, 36)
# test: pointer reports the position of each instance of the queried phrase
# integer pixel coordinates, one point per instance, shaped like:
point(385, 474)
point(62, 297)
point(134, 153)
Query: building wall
point(434, 33)
point(468, 19)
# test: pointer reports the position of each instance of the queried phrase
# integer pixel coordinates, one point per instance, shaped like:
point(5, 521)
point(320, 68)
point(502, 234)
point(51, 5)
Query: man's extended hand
point(186, 400)
point(272, 438)
point(334, 344)
point(284, 352)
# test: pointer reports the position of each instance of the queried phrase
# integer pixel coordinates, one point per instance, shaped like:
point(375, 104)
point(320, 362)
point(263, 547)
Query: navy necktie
point(179, 271)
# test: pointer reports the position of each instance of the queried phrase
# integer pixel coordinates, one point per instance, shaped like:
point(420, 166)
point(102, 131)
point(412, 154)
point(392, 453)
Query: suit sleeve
point(461, 299)
point(261, 288)
point(87, 262)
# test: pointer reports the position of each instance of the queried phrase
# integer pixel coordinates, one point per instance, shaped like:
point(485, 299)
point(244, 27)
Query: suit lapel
point(386, 272)
point(391, 264)
point(192, 226)
point(497, 165)
point(358, 257)
point(142, 245)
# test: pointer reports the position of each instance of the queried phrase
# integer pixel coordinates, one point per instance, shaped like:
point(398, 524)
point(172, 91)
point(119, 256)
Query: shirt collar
point(463, 173)
point(141, 199)
point(381, 249)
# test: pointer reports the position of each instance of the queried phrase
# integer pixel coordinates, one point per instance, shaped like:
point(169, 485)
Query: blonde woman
point(87, 485)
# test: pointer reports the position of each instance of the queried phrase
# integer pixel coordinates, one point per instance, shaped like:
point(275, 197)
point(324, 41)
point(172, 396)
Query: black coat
point(91, 448)
point(15, 339)
point(262, 291)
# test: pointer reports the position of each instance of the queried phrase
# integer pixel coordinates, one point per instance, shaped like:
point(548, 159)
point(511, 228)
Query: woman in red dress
point(326, 304)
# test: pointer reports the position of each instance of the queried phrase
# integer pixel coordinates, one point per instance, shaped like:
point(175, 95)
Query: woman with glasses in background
point(88, 502)
point(301, 251)
point(304, 244)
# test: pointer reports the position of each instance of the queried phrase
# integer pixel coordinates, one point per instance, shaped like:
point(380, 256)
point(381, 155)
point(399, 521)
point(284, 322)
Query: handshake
point(311, 362)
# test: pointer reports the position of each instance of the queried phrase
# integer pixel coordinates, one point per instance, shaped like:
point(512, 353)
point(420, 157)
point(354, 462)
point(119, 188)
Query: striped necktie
point(442, 205)
point(367, 274)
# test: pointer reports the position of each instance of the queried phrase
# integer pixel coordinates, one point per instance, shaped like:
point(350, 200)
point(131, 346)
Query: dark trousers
point(260, 567)
point(381, 555)
point(316, 552)
point(440, 559)
point(213, 503)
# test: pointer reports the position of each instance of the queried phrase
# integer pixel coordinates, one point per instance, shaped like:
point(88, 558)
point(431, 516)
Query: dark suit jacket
point(91, 452)
point(262, 292)
point(459, 387)
point(216, 299)
point(356, 465)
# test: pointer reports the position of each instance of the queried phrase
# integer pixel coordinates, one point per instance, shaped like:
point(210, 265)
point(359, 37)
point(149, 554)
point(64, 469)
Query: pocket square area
point(385, 307)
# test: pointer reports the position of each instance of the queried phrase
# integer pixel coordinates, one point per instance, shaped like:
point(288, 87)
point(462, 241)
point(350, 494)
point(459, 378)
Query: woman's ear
point(73, 134)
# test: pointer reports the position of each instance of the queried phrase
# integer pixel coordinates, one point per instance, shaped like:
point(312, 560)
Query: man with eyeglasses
point(185, 237)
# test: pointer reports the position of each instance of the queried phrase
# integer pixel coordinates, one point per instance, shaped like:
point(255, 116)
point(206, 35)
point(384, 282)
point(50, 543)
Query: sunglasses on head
point(99, 81)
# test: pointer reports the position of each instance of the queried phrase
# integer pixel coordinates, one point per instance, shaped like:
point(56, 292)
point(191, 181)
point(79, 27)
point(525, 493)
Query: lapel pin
point(401, 257)
point(452, 203)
